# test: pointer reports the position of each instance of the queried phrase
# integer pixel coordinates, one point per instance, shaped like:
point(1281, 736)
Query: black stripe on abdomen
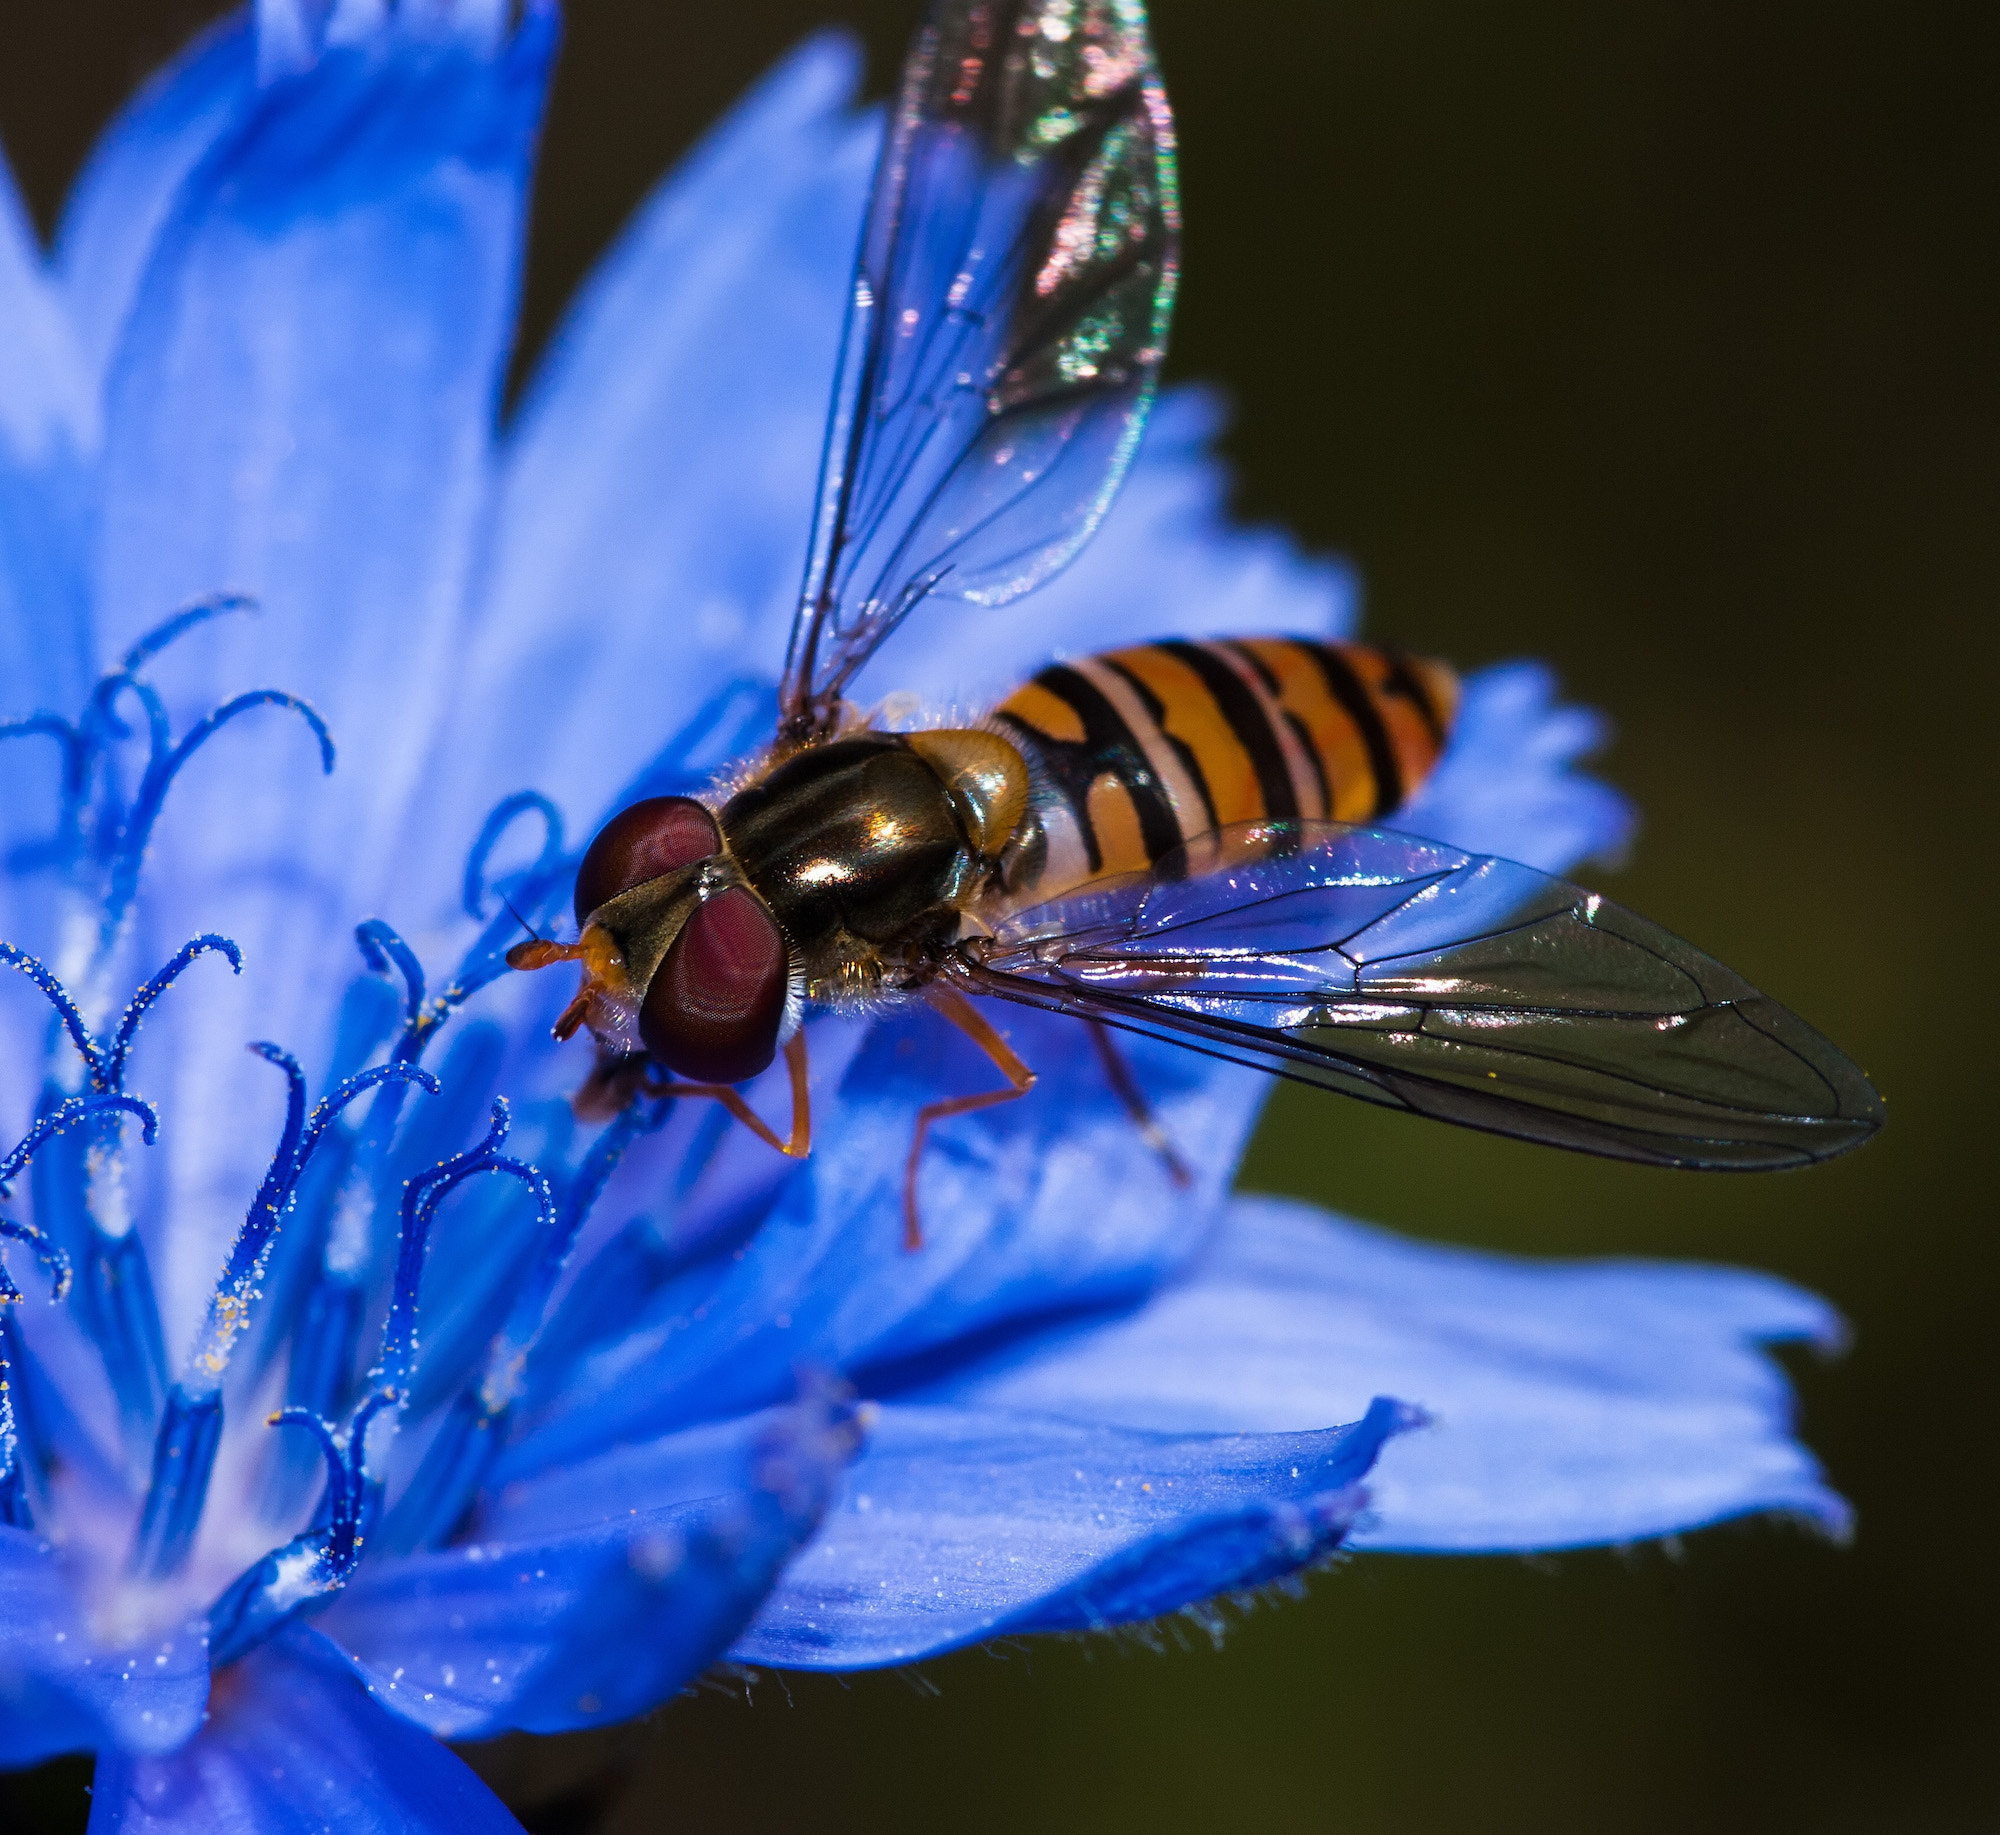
point(1247, 720)
point(1359, 706)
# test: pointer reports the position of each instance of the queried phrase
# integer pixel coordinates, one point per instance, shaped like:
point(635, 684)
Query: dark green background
point(1657, 341)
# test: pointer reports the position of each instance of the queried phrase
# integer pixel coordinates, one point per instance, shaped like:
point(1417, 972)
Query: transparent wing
point(1009, 316)
point(1454, 985)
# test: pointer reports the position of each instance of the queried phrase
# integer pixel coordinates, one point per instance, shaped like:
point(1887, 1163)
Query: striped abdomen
point(1135, 751)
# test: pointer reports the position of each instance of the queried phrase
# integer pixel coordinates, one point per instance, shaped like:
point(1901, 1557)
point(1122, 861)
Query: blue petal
point(62, 1692)
point(962, 1524)
point(296, 1747)
point(302, 409)
point(1508, 782)
point(659, 482)
point(122, 198)
point(1572, 1402)
point(1053, 1201)
point(47, 425)
point(586, 1626)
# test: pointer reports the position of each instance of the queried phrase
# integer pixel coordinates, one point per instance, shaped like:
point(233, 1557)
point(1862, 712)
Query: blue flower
point(385, 1401)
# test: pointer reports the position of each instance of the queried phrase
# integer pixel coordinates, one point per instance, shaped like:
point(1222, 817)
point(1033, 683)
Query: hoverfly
point(1171, 839)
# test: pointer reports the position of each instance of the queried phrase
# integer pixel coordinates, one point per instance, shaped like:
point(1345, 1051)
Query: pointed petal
point(548, 1630)
point(1050, 1202)
point(1572, 1402)
point(302, 410)
point(61, 1692)
point(296, 1747)
point(122, 198)
point(962, 1524)
point(47, 426)
point(659, 481)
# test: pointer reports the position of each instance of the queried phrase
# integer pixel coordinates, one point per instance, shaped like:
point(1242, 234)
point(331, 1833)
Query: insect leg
point(1020, 1080)
point(1126, 1088)
point(800, 1143)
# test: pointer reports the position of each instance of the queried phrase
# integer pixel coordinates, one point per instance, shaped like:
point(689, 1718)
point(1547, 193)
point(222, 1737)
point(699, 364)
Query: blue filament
point(315, 1564)
point(14, 1508)
point(105, 1064)
point(191, 1427)
point(76, 1109)
point(421, 1200)
point(111, 1070)
point(59, 997)
point(495, 826)
point(383, 950)
point(179, 623)
point(159, 778)
point(183, 1459)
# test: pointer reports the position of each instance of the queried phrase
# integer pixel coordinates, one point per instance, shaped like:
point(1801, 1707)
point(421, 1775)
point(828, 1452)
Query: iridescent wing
point(1008, 321)
point(1454, 985)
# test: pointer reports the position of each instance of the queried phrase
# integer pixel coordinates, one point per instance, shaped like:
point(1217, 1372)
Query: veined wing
point(1008, 321)
point(1455, 985)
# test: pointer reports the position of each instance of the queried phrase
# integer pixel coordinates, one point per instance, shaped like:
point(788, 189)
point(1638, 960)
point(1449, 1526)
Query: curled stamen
point(191, 1427)
point(229, 1306)
point(329, 1106)
point(383, 949)
point(112, 1073)
point(76, 1109)
point(60, 998)
point(313, 1565)
point(421, 1200)
point(101, 721)
point(160, 775)
point(496, 826)
point(55, 1261)
point(177, 624)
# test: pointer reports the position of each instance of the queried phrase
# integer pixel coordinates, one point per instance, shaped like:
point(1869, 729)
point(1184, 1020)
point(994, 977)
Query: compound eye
point(717, 1001)
point(652, 837)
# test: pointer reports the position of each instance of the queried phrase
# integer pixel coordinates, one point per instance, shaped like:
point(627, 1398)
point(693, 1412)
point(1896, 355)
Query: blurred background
point(1658, 342)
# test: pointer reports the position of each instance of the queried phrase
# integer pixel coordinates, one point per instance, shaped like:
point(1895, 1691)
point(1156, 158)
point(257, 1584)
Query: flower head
point(383, 1399)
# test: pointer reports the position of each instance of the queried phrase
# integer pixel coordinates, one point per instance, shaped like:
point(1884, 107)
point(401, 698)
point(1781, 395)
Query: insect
point(1170, 839)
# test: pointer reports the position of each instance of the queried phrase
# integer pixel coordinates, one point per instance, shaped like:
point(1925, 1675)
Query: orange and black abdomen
point(1135, 751)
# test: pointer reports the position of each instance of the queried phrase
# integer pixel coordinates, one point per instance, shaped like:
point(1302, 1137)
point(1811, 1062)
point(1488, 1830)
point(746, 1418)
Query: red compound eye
point(641, 843)
point(717, 1001)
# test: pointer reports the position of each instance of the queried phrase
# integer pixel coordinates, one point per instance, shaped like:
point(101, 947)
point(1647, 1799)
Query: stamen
point(179, 623)
point(159, 778)
point(14, 1510)
point(421, 1199)
point(76, 1109)
point(111, 1071)
point(382, 949)
point(312, 1565)
point(191, 1426)
point(59, 997)
point(456, 1461)
point(55, 1262)
point(490, 833)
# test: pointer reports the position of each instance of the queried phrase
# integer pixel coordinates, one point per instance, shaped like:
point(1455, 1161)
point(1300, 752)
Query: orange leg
point(1020, 1080)
point(800, 1143)
point(1126, 1088)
